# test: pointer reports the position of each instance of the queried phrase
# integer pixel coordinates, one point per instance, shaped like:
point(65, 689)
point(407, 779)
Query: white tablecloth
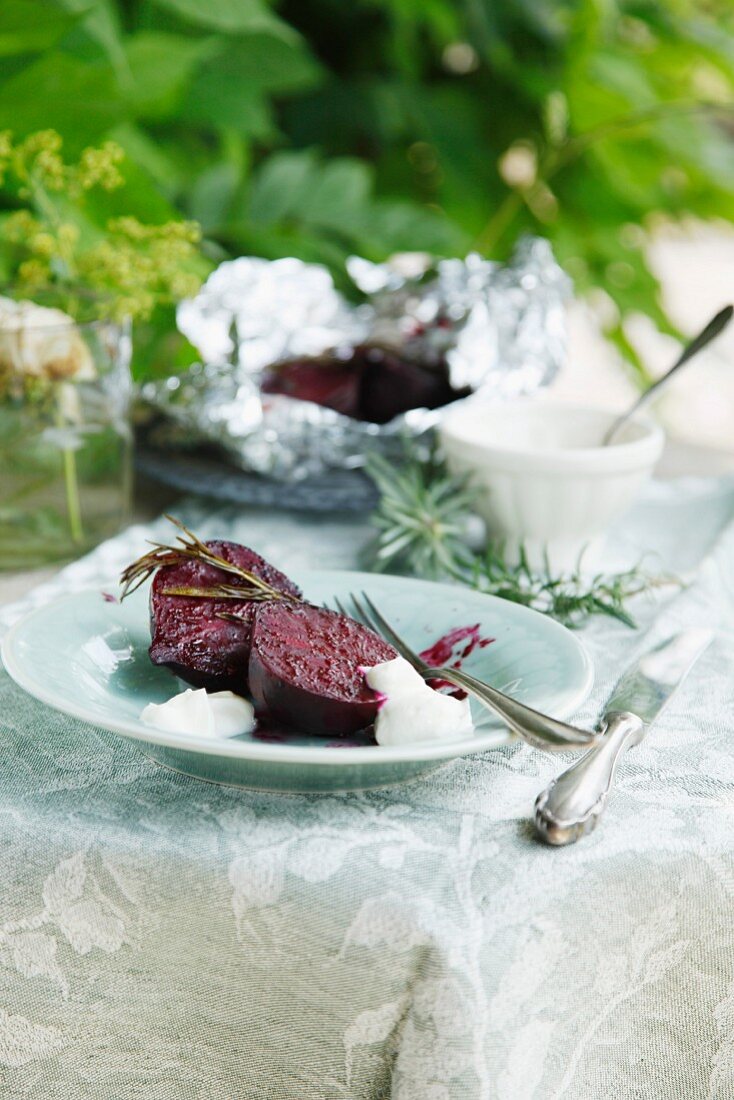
point(165, 939)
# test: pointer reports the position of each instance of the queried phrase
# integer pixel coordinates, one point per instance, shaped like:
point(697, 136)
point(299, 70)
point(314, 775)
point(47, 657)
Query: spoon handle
point(716, 325)
point(571, 805)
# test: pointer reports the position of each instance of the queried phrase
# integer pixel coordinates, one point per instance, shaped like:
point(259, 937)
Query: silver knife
point(572, 804)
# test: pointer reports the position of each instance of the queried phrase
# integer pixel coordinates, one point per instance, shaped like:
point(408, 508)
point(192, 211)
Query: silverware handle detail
point(571, 805)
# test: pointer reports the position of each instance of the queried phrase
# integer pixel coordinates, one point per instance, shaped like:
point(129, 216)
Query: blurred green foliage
point(319, 128)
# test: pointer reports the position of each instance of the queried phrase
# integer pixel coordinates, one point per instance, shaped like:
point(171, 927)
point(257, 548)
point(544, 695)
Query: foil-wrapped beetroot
point(331, 383)
point(189, 637)
point(369, 383)
point(392, 384)
point(305, 669)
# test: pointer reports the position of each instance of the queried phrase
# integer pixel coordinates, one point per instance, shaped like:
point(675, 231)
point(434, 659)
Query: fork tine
point(379, 619)
point(363, 616)
point(372, 622)
point(392, 636)
point(358, 613)
point(380, 626)
point(340, 607)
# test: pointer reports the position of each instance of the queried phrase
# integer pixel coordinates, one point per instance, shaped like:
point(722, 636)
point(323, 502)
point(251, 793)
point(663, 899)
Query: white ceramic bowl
point(545, 480)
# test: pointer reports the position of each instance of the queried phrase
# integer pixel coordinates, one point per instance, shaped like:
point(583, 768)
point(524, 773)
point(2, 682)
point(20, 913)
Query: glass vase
point(65, 438)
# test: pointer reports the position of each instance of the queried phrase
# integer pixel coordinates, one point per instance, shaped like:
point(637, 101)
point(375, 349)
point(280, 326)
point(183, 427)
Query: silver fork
point(537, 729)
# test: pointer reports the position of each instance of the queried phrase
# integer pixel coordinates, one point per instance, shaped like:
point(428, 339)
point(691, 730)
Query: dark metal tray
point(210, 475)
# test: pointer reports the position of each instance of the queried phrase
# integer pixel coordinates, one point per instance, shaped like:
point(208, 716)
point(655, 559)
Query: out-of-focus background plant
point(319, 128)
point(60, 244)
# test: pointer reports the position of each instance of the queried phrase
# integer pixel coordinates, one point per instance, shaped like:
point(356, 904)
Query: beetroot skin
point(189, 638)
point(392, 384)
point(305, 669)
point(369, 383)
point(330, 383)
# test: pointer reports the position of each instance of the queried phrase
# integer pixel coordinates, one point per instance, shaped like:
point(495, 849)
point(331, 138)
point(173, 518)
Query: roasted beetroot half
point(189, 635)
point(305, 669)
point(367, 382)
point(325, 381)
point(393, 384)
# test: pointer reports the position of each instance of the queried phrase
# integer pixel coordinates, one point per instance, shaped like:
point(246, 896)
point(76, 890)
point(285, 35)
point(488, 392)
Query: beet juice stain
point(443, 652)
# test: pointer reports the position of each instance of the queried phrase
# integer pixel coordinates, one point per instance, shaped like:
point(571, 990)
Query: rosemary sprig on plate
point(218, 592)
point(424, 519)
point(188, 547)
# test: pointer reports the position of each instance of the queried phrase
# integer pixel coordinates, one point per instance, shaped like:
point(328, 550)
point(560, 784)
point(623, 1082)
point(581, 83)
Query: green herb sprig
point(421, 517)
point(189, 547)
point(423, 522)
point(571, 598)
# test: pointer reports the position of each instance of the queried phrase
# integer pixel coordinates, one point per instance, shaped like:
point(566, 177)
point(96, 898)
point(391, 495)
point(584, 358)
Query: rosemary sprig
point(230, 617)
point(421, 517)
point(571, 598)
point(189, 547)
point(422, 520)
point(220, 592)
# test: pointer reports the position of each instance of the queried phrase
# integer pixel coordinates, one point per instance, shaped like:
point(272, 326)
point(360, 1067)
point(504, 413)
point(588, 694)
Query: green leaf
point(102, 24)
point(313, 247)
point(139, 196)
point(699, 144)
point(80, 100)
point(623, 75)
point(232, 16)
point(279, 186)
point(160, 65)
point(149, 155)
point(407, 227)
point(338, 195)
point(229, 91)
point(265, 62)
point(28, 26)
point(335, 197)
point(159, 349)
point(213, 194)
point(246, 112)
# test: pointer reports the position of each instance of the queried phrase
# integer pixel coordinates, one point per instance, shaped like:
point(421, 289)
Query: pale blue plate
point(89, 658)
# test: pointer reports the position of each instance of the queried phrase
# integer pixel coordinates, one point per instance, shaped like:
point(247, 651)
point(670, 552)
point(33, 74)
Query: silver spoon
point(716, 325)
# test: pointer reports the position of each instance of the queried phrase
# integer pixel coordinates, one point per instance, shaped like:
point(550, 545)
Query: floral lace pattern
point(168, 939)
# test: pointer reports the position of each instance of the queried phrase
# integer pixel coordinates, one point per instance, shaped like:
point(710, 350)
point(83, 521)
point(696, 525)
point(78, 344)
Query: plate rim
point(277, 753)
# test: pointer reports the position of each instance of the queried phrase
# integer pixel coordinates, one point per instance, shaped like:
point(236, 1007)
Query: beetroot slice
point(305, 667)
point(190, 638)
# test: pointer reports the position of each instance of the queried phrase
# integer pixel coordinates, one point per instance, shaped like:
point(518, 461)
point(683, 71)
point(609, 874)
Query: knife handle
point(571, 805)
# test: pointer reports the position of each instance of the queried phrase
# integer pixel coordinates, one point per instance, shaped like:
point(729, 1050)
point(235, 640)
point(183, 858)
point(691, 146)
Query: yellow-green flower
point(131, 266)
point(100, 166)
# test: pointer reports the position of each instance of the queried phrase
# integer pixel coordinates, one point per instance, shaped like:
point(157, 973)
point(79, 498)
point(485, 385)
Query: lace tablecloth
point(165, 939)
